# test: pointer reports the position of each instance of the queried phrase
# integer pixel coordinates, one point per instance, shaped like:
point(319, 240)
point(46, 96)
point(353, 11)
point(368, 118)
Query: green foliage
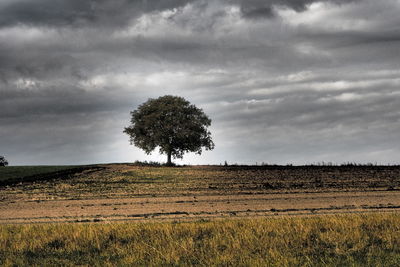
point(172, 124)
point(340, 240)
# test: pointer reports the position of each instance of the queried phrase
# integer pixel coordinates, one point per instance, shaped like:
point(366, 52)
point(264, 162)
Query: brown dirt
point(124, 192)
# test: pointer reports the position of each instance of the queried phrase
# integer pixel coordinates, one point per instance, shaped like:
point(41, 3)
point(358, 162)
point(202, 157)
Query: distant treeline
point(322, 163)
point(264, 164)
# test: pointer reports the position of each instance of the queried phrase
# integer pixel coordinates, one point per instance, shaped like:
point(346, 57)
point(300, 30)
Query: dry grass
point(339, 240)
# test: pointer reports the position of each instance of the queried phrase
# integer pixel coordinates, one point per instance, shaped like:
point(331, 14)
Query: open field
point(15, 174)
point(126, 215)
point(331, 240)
point(121, 192)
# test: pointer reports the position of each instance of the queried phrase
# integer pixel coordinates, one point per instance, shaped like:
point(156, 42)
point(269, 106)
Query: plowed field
point(126, 192)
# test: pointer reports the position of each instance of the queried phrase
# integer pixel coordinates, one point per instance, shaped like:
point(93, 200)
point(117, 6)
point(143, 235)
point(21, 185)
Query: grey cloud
point(347, 38)
point(277, 90)
point(60, 138)
point(301, 127)
point(102, 13)
point(79, 53)
point(254, 9)
point(57, 100)
point(77, 13)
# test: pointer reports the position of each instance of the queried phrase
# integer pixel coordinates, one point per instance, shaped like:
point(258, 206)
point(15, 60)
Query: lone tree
point(172, 124)
point(3, 161)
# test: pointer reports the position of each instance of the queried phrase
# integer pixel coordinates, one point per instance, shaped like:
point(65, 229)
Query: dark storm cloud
point(347, 38)
point(79, 13)
point(103, 13)
point(265, 8)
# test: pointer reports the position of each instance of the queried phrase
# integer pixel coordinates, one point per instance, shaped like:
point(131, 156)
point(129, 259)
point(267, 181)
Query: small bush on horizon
point(3, 161)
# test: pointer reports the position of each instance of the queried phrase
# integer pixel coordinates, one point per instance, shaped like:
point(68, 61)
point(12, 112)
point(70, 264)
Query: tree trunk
point(169, 163)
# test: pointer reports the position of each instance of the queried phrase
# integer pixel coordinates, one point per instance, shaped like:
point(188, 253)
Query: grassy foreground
point(340, 240)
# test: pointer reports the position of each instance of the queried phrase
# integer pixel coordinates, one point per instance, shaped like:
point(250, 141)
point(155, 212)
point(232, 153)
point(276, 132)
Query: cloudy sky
point(284, 81)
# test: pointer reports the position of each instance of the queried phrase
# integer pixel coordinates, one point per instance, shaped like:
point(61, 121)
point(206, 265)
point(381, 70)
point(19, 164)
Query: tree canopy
point(172, 124)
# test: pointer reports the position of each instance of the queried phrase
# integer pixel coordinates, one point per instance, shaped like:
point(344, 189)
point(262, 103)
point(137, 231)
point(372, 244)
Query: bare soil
point(126, 192)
